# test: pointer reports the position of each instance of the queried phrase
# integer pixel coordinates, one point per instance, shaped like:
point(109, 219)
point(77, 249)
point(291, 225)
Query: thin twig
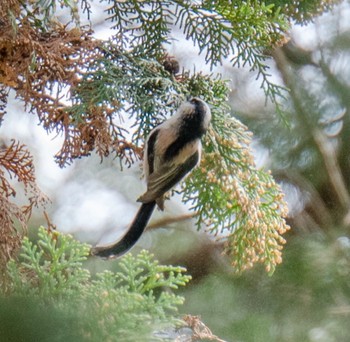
point(169, 220)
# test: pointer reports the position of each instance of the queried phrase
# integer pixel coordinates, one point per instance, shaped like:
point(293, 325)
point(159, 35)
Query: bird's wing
point(166, 177)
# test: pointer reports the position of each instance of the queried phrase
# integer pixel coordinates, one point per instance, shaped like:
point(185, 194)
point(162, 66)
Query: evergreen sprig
point(303, 11)
point(244, 31)
point(239, 203)
point(51, 267)
point(220, 29)
point(131, 304)
point(145, 274)
point(119, 83)
point(142, 25)
point(42, 12)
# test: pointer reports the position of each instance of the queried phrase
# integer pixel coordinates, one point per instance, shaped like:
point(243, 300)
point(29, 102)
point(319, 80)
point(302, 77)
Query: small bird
point(172, 150)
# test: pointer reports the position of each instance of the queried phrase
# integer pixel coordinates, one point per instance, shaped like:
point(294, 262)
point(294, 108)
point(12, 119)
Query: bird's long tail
point(134, 232)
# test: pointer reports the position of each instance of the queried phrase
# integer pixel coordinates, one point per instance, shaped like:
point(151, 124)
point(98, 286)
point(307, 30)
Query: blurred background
point(308, 152)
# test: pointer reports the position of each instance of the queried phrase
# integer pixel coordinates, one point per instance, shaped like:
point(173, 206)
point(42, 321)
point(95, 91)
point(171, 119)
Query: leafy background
point(305, 145)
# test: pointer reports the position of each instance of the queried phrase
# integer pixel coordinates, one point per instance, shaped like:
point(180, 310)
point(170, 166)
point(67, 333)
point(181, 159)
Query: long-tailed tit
point(172, 150)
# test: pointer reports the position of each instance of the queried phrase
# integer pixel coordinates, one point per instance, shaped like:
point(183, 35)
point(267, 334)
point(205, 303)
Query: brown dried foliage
point(8, 6)
point(15, 163)
point(40, 67)
point(200, 331)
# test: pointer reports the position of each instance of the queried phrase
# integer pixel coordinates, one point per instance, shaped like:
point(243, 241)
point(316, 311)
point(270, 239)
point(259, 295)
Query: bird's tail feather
point(131, 237)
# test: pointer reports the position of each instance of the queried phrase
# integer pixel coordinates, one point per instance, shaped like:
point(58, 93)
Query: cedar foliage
point(133, 304)
point(81, 88)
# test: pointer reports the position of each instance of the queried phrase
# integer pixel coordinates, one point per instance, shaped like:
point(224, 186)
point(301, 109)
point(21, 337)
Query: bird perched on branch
point(172, 150)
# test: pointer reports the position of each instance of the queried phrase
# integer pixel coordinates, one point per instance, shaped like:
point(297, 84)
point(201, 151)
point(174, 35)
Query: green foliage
point(241, 30)
point(28, 319)
point(236, 200)
point(142, 25)
point(127, 76)
point(303, 11)
point(220, 29)
point(129, 305)
point(227, 192)
point(312, 283)
point(51, 267)
point(42, 12)
point(137, 85)
point(311, 155)
point(241, 200)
